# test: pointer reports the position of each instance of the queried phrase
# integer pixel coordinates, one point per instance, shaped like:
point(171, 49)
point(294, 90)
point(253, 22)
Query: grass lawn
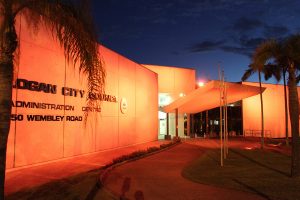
point(262, 172)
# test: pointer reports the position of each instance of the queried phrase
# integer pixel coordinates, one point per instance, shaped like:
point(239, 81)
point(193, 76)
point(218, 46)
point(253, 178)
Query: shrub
point(152, 149)
point(140, 153)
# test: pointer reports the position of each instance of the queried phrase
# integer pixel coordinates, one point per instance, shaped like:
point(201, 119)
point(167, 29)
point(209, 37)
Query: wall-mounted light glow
point(200, 84)
point(181, 94)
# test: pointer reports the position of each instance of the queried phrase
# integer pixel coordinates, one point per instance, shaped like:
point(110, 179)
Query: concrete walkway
point(159, 176)
point(154, 177)
point(32, 176)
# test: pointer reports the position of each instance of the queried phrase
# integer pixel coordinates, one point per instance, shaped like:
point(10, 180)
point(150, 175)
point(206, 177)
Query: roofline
point(190, 68)
point(265, 83)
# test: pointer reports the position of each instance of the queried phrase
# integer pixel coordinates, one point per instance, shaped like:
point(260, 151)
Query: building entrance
point(207, 123)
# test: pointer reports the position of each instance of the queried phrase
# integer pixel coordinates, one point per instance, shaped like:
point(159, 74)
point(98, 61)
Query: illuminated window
point(162, 115)
point(164, 99)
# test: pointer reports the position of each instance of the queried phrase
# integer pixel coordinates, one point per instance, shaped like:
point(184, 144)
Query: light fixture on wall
point(200, 83)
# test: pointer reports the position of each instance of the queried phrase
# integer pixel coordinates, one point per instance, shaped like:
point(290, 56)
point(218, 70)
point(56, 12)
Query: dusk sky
point(194, 33)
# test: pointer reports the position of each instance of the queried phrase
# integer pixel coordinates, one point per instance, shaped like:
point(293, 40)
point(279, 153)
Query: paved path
point(32, 176)
point(159, 176)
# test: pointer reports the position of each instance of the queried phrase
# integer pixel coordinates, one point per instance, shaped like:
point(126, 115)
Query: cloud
point(275, 31)
point(247, 24)
point(247, 33)
point(238, 50)
point(196, 8)
point(251, 42)
point(244, 46)
point(206, 46)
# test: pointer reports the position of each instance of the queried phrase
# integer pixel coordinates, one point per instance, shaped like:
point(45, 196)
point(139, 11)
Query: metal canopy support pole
point(201, 128)
point(206, 123)
point(224, 115)
point(221, 115)
point(168, 130)
point(176, 121)
point(192, 125)
point(188, 125)
point(224, 127)
point(226, 118)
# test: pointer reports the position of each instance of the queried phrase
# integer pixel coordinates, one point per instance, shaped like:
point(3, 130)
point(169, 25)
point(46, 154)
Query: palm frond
point(247, 73)
point(272, 70)
point(72, 26)
point(292, 48)
point(263, 53)
point(298, 79)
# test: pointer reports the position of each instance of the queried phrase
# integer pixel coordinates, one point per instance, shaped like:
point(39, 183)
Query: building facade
point(49, 102)
point(141, 103)
point(198, 107)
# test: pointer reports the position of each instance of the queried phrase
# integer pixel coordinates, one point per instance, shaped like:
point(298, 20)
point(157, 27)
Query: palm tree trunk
point(285, 109)
point(261, 111)
point(6, 76)
point(8, 46)
point(294, 116)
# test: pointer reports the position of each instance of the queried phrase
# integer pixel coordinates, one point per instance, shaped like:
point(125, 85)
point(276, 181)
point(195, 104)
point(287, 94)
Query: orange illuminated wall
point(173, 79)
point(274, 115)
point(173, 82)
point(32, 141)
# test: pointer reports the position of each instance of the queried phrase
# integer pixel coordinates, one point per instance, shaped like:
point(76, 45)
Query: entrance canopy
point(208, 97)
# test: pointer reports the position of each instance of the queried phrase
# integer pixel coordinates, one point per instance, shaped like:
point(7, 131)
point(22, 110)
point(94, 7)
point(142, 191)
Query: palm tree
point(285, 53)
point(291, 50)
point(70, 23)
point(279, 70)
point(284, 70)
point(261, 111)
point(268, 72)
point(246, 75)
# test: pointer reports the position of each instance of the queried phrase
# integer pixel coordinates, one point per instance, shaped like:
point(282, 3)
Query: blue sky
point(196, 34)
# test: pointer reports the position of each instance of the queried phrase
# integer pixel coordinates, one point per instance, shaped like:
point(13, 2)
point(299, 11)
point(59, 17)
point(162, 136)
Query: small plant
point(141, 153)
point(152, 149)
point(133, 155)
point(176, 139)
point(162, 146)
